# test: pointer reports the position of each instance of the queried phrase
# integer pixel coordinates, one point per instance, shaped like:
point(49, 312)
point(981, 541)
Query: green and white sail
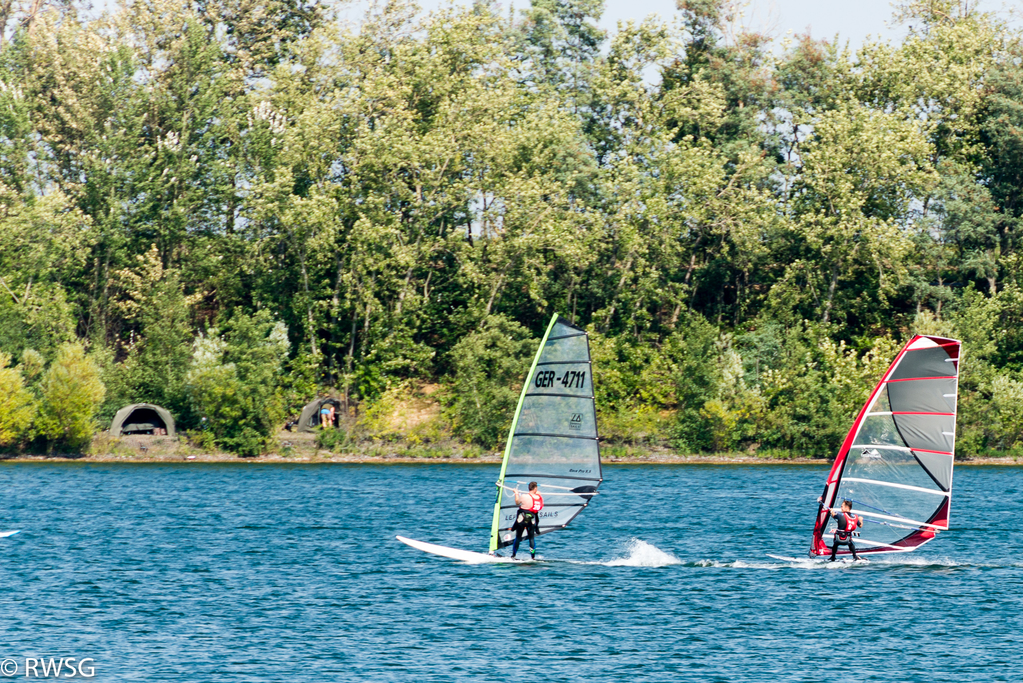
point(553, 437)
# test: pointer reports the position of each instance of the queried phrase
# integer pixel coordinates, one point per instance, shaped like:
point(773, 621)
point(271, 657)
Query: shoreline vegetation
point(229, 210)
point(410, 430)
point(325, 457)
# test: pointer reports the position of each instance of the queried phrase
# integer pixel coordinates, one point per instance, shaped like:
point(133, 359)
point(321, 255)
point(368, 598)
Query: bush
point(234, 381)
point(17, 405)
point(991, 416)
point(335, 440)
point(695, 357)
point(635, 424)
point(634, 389)
point(406, 413)
point(773, 388)
point(490, 365)
point(71, 393)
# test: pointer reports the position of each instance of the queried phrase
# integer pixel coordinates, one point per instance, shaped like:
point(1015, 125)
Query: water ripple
point(248, 574)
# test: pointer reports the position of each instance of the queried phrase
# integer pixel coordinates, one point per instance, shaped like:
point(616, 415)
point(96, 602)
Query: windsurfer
point(527, 519)
point(848, 523)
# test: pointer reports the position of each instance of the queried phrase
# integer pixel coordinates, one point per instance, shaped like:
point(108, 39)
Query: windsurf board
point(822, 559)
point(457, 553)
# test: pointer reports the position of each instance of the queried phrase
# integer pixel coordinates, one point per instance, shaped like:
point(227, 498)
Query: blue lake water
point(255, 572)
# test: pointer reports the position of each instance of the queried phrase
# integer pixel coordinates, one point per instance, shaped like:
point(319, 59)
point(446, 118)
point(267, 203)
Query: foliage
point(158, 354)
point(634, 385)
point(746, 228)
point(17, 404)
point(71, 392)
point(43, 243)
point(336, 440)
point(490, 366)
point(234, 381)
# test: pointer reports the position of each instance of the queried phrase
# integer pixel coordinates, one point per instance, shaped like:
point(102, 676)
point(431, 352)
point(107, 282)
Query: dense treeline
point(229, 206)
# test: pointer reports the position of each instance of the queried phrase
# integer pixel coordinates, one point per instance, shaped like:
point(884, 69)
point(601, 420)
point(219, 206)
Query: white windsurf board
point(5, 534)
point(842, 560)
point(456, 553)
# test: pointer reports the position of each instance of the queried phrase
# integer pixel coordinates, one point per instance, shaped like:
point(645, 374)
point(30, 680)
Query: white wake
point(642, 554)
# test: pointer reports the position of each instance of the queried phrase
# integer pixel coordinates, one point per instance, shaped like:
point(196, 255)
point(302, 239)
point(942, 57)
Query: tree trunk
point(32, 12)
point(232, 206)
point(408, 278)
point(308, 301)
point(493, 294)
point(351, 344)
point(831, 295)
point(618, 290)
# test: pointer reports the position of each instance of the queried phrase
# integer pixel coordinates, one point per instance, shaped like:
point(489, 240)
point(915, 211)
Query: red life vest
point(536, 502)
point(850, 522)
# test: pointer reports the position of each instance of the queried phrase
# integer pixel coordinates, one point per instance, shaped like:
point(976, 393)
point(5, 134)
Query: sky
point(852, 20)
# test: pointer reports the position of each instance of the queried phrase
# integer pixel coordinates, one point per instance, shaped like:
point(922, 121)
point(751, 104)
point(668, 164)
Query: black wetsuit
point(528, 522)
point(847, 524)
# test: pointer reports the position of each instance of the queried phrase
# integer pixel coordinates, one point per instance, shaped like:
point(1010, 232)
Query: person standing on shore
point(327, 415)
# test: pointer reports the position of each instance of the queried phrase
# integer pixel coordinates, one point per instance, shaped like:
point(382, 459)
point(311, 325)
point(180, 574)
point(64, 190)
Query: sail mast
point(511, 433)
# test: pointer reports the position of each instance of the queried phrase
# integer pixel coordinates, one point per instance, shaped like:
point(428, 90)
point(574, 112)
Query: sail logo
point(576, 423)
point(870, 454)
point(572, 379)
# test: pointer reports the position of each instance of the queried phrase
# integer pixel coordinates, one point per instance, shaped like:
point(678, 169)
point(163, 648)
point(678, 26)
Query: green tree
point(490, 366)
point(71, 392)
point(152, 301)
point(235, 379)
point(17, 405)
point(558, 45)
point(859, 173)
point(43, 243)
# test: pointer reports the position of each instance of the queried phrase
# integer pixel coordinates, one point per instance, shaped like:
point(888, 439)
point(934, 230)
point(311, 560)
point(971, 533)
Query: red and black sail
point(896, 462)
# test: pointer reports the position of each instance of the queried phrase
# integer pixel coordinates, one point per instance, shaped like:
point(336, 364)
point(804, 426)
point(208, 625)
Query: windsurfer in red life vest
point(527, 518)
point(848, 523)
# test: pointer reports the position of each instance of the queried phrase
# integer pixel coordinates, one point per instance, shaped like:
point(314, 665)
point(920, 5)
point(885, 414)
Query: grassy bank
point(411, 427)
point(304, 448)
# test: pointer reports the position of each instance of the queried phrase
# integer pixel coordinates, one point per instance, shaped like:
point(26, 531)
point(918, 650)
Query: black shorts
point(524, 519)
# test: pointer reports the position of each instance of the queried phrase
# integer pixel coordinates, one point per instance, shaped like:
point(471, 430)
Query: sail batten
point(553, 437)
point(898, 456)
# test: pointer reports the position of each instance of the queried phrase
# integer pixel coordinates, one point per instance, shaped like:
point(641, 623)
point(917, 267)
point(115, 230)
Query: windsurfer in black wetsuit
point(848, 523)
point(527, 518)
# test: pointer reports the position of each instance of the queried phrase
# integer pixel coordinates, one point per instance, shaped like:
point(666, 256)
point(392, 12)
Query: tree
point(489, 371)
point(152, 302)
point(17, 404)
point(43, 244)
point(71, 393)
point(859, 173)
point(235, 379)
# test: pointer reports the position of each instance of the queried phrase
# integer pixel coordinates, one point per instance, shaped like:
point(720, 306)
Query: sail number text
point(572, 379)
